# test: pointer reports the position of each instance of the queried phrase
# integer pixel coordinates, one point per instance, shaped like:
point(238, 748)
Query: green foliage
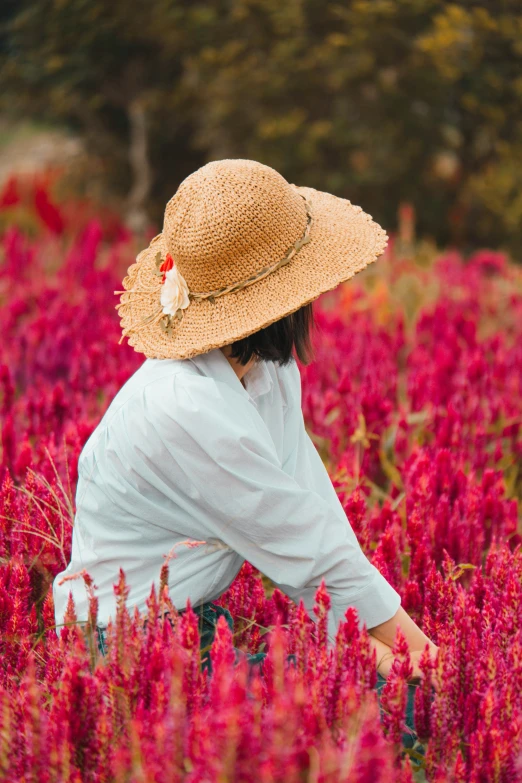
point(374, 100)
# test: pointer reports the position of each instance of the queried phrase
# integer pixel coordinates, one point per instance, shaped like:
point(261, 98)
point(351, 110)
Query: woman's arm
point(384, 655)
point(417, 639)
point(380, 648)
point(303, 462)
point(224, 468)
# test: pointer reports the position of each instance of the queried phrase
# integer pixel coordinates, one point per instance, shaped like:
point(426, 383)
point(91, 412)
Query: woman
point(206, 441)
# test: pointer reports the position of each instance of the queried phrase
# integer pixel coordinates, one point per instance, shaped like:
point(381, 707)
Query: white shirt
point(185, 451)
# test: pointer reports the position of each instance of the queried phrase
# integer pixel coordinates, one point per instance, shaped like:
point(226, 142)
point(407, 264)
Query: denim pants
point(209, 614)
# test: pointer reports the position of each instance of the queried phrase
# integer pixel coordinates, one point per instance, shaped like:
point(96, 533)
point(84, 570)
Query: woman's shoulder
point(175, 392)
point(159, 389)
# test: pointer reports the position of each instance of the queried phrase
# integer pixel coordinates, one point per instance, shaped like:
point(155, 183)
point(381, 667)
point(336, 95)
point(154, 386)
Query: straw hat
point(240, 249)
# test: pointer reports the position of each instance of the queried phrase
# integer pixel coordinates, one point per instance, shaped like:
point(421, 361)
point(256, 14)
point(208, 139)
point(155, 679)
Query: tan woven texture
point(227, 222)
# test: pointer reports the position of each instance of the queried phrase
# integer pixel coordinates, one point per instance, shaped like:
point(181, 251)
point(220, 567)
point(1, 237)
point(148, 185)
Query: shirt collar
point(258, 379)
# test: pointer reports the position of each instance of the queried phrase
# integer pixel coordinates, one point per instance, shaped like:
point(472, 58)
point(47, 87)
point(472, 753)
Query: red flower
point(166, 265)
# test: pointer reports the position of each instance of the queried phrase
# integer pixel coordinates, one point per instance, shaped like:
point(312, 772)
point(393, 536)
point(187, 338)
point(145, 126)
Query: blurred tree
point(475, 49)
point(379, 101)
point(113, 73)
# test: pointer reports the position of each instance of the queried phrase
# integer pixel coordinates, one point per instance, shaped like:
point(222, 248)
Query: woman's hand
point(386, 632)
point(386, 661)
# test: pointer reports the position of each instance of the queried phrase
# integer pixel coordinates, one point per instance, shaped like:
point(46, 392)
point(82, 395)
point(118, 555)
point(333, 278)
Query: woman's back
point(135, 498)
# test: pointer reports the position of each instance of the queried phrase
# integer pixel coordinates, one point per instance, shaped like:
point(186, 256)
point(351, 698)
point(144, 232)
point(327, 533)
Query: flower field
point(414, 401)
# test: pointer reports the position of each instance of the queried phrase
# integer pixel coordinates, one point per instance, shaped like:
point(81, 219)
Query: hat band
point(166, 320)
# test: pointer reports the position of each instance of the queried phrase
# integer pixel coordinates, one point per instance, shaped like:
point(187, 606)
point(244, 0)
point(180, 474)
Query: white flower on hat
point(174, 292)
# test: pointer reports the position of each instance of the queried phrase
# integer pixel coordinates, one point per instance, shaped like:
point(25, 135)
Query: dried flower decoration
point(174, 295)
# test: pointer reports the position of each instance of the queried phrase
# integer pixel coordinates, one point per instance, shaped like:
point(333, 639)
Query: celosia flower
point(444, 399)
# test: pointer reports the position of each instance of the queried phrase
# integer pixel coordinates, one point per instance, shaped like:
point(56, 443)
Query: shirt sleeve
point(301, 460)
point(222, 453)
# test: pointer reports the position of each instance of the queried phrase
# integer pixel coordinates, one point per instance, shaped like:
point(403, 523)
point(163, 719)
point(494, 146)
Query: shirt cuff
point(375, 604)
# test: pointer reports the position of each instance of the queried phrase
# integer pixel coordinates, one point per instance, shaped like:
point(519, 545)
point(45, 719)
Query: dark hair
point(278, 340)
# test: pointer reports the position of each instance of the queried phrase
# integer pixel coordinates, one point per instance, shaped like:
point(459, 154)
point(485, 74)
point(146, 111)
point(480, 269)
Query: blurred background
point(410, 108)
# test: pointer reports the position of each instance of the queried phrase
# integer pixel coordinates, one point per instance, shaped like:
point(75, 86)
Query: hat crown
point(230, 219)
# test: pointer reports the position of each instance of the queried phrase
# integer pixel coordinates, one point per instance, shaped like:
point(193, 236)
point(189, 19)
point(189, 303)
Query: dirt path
point(26, 149)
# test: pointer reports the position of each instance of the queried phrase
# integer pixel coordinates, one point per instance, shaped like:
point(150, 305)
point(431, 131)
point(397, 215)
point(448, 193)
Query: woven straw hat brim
point(343, 241)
